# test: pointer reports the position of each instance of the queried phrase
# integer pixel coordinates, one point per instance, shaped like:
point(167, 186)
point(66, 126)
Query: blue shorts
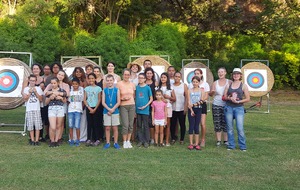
point(74, 119)
point(56, 111)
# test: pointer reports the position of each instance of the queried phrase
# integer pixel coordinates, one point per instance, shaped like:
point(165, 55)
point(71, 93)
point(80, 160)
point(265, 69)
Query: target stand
point(12, 73)
point(259, 79)
point(206, 73)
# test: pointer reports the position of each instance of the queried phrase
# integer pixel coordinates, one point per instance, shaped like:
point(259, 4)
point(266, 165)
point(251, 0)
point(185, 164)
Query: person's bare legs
point(168, 130)
point(191, 139)
point(203, 127)
point(78, 134)
point(115, 132)
point(52, 129)
point(59, 121)
point(71, 133)
point(225, 137)
point(218, 135)
point(107, 134)
point(37, 135)
point(32, 135)
point(156, 133)
point(161, 134)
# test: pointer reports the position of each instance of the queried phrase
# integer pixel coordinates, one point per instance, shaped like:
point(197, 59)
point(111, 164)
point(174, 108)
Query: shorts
point(169, 112)
point(56, 111)
point(111, 120)
point(160, 122)
point(74, 119)
point(45, 118)
point(204, 108)
point(34, 120)
point(219, 118)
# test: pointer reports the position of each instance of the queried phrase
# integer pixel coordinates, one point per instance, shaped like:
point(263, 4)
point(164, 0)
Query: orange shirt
point(127, 89)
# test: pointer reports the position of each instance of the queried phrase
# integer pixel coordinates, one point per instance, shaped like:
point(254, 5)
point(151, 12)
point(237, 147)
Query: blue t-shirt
point(111, 95)
point(142, 96)
point(92, 95)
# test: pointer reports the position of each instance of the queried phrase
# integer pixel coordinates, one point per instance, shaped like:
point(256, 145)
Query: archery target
point(256, 79)
point(11, 80)
point(189, 74)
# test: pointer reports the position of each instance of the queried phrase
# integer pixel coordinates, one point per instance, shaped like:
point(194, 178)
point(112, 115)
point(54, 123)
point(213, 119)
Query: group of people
point(149, 106)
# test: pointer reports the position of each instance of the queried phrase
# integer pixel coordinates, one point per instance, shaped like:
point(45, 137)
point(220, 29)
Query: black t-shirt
point(55, 102)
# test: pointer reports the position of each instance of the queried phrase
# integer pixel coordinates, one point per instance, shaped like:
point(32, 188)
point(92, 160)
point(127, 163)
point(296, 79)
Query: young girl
point(159, 116)
point(75, 110)
point(195, 96)
point(168, 97)
point(92, 100)
point(56, 98)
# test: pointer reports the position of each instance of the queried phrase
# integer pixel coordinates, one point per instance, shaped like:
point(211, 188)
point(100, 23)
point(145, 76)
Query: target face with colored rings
point(190, 76)
point(255, 80)
point(9, 81)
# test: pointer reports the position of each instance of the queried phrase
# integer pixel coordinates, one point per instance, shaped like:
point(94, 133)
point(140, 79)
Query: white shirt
point(33, 103)
point(75, 99)
point(178, 105)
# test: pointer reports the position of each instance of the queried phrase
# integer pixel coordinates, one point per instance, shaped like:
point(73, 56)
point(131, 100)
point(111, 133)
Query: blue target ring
point(190, 76)
point(9, 81)
point(255, 80)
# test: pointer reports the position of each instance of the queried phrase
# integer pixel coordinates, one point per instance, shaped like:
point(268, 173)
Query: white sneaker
point(125, 144)
point(129, 145)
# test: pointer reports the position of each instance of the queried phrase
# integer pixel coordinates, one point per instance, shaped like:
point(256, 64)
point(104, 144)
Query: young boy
point(75, 110)
point(143, 95)
point(33, 97)
point(111, 101)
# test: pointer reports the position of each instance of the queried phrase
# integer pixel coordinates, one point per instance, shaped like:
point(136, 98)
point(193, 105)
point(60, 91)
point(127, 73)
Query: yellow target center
point(255, 80)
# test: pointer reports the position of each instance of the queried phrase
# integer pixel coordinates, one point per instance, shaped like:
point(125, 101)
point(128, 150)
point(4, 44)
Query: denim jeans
point(237, 113)
point(74, 119)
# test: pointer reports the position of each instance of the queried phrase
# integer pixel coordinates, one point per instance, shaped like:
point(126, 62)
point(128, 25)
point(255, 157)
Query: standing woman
point(63, 83)
point(80, 75)
point(99, 82)
point(127, 106)
point(110, 70)
point(135, 68)
point(37, 69)
point(217, 89)
point(203, 85)
point(235, 109)
point(152, 83)
point(179, 107)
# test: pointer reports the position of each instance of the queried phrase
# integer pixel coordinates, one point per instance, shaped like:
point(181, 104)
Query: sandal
point(173, 142)
point(182, 142)
point(197, 148)
point(202, 143)
point(191, 147)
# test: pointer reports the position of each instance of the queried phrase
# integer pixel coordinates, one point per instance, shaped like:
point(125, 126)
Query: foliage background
point(213, 29)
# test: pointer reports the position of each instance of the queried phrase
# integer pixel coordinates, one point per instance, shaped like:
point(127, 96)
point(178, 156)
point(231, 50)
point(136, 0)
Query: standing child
point(195, 100)
point(75, 110)
point(33, 96)
point(92, 100)
point(143, 98)
point(56, 98)
point(111, 101)
point(168, 97)
point(159, 116)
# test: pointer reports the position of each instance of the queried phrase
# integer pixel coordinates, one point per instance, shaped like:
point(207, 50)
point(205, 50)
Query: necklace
point(110, 97)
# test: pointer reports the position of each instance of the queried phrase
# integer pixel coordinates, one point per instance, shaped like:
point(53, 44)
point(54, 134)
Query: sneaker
point(139, 144)
point(244, 150)
point(168, 144)
point(125, 145)
point(49, 142)
point(197, 148)
point(88, 143)
point(96, 143)
point(161, 145)
point(31, 143)
point(42, 140)
point(218, 143)
point(152, 142)
point(116, 146)
point(77, 143)
point(146, 145)
point(226, 143)
point(191, 147)
point(155, 144)
point(72, 143)
point(106, 146)
point(51, 145)
point(129, 145)
point(37, 143)
point(47, 137)
point(56, 144)
point(202, 143)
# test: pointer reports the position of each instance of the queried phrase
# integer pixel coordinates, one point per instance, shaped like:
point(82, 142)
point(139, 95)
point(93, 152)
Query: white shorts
point(160, 122)
point(111, 120)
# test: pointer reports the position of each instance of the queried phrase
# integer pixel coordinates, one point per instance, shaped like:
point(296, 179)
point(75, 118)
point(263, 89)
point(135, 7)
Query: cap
point(237, 70)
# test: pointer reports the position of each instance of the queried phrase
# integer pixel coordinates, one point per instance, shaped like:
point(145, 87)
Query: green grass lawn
point(271, 162)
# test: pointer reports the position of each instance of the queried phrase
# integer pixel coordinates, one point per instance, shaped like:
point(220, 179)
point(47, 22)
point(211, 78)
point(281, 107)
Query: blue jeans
point(237, 113)
point(74, 119)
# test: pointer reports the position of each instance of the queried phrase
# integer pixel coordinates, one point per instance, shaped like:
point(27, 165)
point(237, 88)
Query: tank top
point(178, 105)
point(110, 99)
point(239, 95)
point(152, 86)
point(135, 81)
point(195, 97)
point(219, 94)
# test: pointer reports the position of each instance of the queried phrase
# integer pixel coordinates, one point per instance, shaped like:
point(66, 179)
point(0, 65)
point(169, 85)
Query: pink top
point(126, 90)
point(159, 110)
